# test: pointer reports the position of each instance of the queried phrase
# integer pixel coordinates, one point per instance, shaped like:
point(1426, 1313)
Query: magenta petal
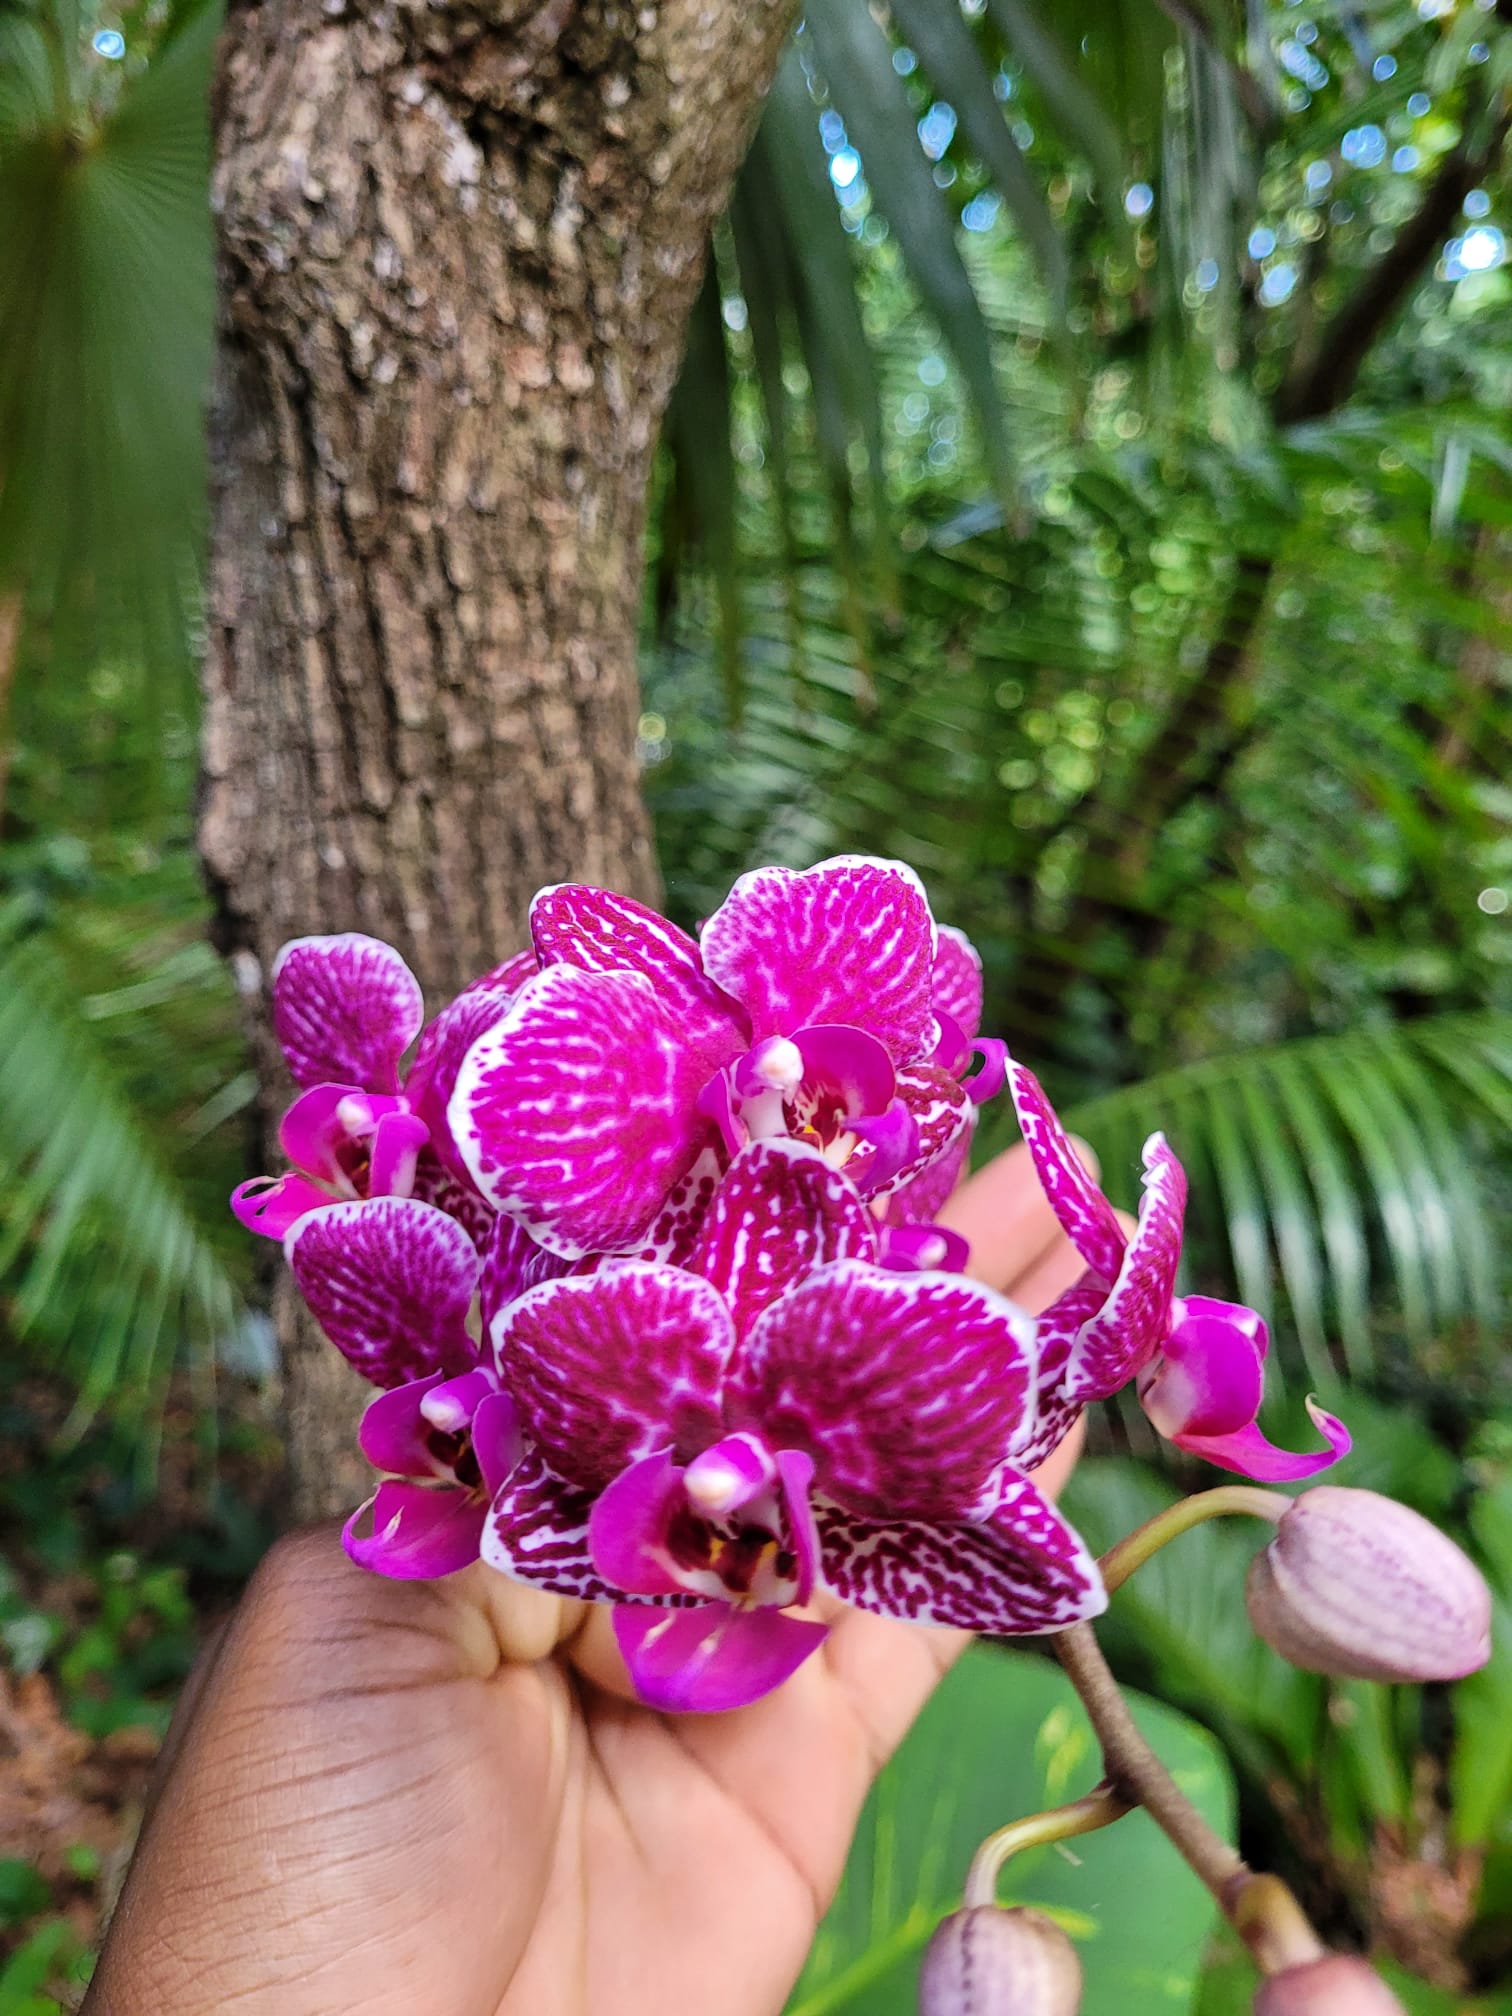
point(627, 1528)
point(345, 1009)
point(599, 932)
point(325, 1118)
point(716, 1103)
point(1021, 1570)
point(918, 1199)
point(1136, 1318)
point(848, 1064)
point(1209, 1378)
point(952, 1046)
point(942, 1116)
point(397, 1141)
point(497, 1441)
point(508, 977)
point(894, 1141)
point(795, 1471)
point(577, 1112)
point(908, 1390)
point(610, 1366)
point(956, 982)
point(392, 1432)
point(849, 941)
point(780, 1212)
point(444, 1043)
point(1249, 1452)
point(417, 1532)
point(908, 1248)
point(710, 1656)
point(273, 1205)
point(512, 1265)
point(993, 1076)
point(536, 1531)
point(455, 1195)
point(1056, 1332)
point(1085, 1215)
point(673, 1232)
point(390, 1281)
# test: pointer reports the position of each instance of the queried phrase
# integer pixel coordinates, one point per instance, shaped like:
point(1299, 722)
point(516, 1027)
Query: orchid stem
point(1132, 1552)
point(1261, 1909)
point(1083, 1816)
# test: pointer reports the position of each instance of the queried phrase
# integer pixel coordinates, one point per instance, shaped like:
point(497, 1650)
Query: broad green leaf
point(1480, 1770)
point(1005, 1736)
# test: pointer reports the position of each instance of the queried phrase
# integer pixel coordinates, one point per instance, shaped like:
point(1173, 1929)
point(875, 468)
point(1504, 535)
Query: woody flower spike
point(707, 1447)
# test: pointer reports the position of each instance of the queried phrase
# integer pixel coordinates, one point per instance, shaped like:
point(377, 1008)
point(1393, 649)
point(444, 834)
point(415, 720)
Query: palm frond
point(1347, 1177)
point(106, 1267)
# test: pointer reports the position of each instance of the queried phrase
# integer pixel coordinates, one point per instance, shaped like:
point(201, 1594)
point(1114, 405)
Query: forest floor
point(119, 1553)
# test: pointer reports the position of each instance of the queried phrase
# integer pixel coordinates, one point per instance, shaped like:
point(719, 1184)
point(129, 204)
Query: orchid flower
point(447, 1446)
point(345, 1010)
point(1199, 1364)
point(708, 1446)
point(805, 1010)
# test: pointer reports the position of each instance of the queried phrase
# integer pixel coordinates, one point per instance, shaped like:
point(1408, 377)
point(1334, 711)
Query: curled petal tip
point(1251, 1454)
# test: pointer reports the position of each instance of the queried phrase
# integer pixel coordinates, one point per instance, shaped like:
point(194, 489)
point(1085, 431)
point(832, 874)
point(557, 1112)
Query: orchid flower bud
point(988, 1962)
point(1337, 1985)
point(1355, 1585)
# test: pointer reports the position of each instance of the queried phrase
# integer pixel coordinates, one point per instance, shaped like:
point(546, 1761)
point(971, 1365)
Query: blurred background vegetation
point(1091, 480)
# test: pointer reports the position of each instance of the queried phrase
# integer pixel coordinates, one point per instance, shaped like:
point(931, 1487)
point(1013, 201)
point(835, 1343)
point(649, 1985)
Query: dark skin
point(438, 1799)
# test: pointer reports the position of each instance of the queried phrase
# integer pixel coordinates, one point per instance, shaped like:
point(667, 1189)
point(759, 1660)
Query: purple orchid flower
point(345, 1010)
point(1199, 1364)
point(805, 1011)
point(447, 1445)
point(708, 1446)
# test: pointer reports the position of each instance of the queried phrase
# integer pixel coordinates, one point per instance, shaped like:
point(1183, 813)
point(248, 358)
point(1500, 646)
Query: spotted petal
point(711, 1656)
point(513, 1264)
point(1085, 1215)
point(610, 1366)
point(942, 1115)
point(577, 1113)
point(443, 1045)
point(599, 932)
point(672, 1232)
point(390, 1281)
point(849, 941)
point(1056, 1332)
point(1132, 1324)
point(917, 1199)
point(907, 1390)
point(345, 1009)
point(1021, 1570)
point(536, 1531)
point(956, 982)
point(780, 1213)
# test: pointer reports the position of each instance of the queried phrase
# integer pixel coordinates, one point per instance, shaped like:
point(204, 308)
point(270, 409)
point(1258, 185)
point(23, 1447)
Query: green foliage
point(1342, 1779)
point(1004, 1737)
point(106, 311)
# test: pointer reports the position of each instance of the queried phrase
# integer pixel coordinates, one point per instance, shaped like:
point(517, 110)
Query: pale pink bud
point(1356, 1585)
point(1336, 1985)
point(987, 1962)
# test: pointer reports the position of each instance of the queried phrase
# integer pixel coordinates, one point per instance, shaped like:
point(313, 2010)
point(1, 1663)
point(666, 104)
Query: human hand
point(438, 1798)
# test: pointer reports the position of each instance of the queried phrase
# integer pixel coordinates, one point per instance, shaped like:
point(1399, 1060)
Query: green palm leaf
point(103, 1256)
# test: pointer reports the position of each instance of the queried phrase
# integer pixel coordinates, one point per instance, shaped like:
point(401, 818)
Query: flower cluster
point(641, 1253)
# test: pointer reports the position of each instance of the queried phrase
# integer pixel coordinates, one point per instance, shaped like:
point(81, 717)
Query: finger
point(1005, 1216)
point(1049, 1275)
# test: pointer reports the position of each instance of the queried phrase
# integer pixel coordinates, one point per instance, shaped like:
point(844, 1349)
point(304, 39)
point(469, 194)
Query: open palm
point(437, 1799)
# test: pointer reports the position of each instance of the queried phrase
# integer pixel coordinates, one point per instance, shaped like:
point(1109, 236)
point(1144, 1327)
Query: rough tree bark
point(459, 244)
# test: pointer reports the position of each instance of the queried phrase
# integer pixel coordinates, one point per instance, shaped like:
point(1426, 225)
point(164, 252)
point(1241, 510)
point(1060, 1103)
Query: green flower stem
point(1132, 1552)
point(1099, 1809)
point(1261, 1909)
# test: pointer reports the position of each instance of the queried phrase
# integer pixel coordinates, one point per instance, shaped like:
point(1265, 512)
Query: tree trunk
point(459, 245)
